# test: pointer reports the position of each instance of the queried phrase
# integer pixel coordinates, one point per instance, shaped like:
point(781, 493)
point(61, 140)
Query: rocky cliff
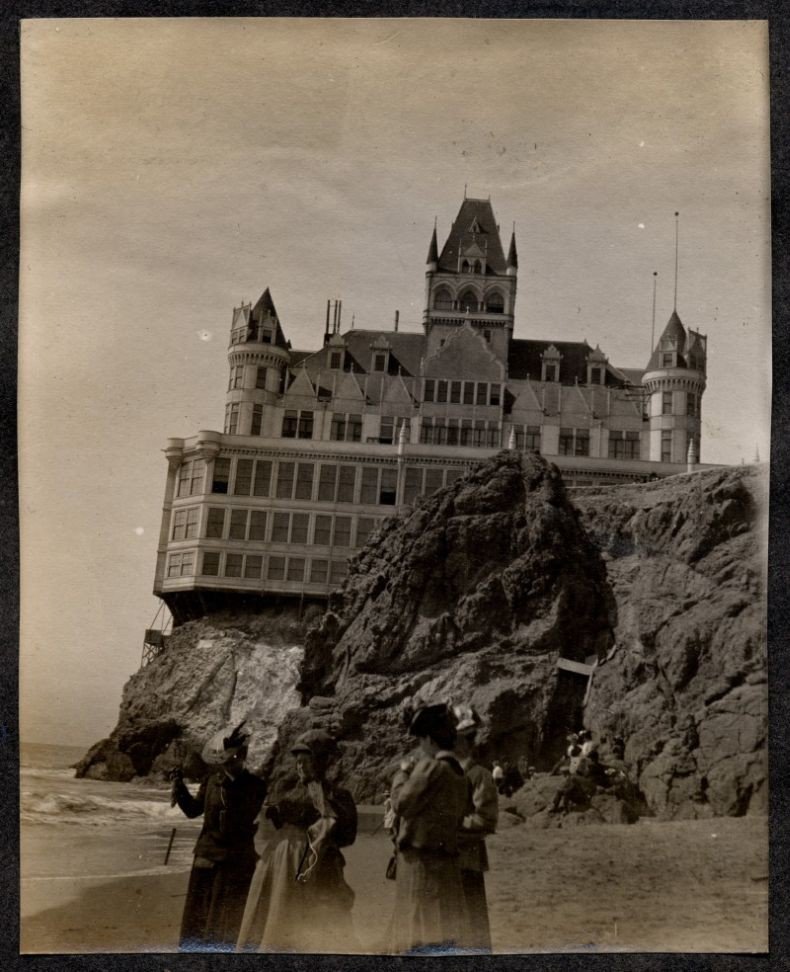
point(489, 592)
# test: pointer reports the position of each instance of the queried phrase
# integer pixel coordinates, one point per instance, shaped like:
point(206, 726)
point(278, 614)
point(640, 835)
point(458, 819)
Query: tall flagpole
point(676, 260)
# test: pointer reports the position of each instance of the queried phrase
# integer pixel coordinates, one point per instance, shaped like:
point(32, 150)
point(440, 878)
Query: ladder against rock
point(155, 639)
point(586, 669)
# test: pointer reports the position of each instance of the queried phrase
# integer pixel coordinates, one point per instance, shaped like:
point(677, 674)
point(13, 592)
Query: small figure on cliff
point(299, 899)
point(477, 824)
point(431, 802)
point(230, 799)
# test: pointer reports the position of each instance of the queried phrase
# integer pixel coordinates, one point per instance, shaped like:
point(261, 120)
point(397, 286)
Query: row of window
point(462, 392)
point(464, 432)
point(215, 563)
point(692, 403)
point(319, 529)
point(492, 303)
point(336, 483)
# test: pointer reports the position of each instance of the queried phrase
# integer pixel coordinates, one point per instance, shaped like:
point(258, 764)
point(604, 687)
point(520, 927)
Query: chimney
point(397, 318)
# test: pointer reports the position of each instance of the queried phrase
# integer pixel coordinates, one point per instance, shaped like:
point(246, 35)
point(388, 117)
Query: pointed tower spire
point(433, 250)
point(512, 253)
point(653, 326)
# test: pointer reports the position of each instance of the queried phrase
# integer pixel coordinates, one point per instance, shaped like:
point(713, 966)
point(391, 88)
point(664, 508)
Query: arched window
point(478, 266)
point(465, 266)
point(443, 299)
point(468, 301)
point(495, 303)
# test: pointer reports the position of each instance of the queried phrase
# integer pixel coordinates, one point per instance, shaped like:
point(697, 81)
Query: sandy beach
point(680, 886)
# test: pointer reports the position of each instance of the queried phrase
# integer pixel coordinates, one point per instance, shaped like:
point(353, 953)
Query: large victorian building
point(319, 446)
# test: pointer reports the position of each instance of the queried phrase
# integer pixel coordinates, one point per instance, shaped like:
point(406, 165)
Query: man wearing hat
point(480, 821)
point(430, 801)
point(230, 799)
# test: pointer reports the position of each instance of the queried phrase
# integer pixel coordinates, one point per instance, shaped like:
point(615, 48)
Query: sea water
point(76, 829)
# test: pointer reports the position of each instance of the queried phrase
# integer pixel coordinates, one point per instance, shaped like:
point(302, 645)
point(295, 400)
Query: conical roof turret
point(673, 338)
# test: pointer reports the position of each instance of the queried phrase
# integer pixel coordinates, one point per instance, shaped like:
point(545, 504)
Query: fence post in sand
point(170, 844)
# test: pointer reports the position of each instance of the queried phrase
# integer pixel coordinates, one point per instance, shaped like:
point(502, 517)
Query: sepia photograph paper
point(394, 415)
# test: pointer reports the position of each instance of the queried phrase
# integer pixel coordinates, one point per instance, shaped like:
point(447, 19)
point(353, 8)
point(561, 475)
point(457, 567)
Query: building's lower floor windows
point(574, 442)
point(319, 571)
point(623, 445)
point(185, 523)
point(210, 566)
point(379, 485)
point(181, 564)
point(276, 568)
point(426, 480)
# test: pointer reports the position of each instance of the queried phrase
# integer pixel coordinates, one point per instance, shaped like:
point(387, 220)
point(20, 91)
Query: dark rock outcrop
point(473, 596)
point(685, 684)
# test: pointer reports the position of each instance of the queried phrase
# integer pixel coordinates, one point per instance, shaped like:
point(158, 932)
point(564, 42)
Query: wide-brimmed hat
point(225, 744)
point(428, 719)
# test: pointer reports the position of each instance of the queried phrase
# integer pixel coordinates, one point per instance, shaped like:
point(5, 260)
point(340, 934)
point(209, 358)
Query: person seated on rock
point(477, 824)
point(497, 773)
point(299, 900)
point(578, 786)
point(230, 799)
point(431, 802)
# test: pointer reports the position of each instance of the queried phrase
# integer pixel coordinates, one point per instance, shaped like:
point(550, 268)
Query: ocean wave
point(96, 810)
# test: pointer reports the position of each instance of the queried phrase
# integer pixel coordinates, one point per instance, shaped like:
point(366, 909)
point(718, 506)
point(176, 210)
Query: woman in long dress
point(229, 799)
point(430, 801)
point(299, 900)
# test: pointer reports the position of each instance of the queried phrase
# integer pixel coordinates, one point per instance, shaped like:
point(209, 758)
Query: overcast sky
point(172, 168)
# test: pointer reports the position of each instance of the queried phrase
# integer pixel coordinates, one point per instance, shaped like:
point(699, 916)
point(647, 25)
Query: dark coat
point(224, 858)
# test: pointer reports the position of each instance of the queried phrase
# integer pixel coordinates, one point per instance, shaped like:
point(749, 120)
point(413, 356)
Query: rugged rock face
point(685, 684)
point(474, 596)
point(215, 671)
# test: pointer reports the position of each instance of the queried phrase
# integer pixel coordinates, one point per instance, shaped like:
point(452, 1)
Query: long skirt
point(283, 914)
point(214, 905)
point(477, 931)
point(429, 903)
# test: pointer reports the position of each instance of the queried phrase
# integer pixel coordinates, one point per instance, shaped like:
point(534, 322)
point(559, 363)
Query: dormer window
point(550, 364)
point(380, 361)
point(596, 375)
point(668, 359)
point(335, 360)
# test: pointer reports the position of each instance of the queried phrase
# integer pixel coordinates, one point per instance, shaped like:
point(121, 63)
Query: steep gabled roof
point(265, 308)
point(406, 349)
point(525, 361)
point(478, 215)
point(673, 337)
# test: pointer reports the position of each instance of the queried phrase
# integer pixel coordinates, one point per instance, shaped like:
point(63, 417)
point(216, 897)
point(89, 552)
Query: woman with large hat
point(299, 900)
point(229, 799)
point(430, 801)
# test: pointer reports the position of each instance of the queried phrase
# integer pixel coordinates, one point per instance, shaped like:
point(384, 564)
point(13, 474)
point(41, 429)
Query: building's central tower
point(471, 281)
